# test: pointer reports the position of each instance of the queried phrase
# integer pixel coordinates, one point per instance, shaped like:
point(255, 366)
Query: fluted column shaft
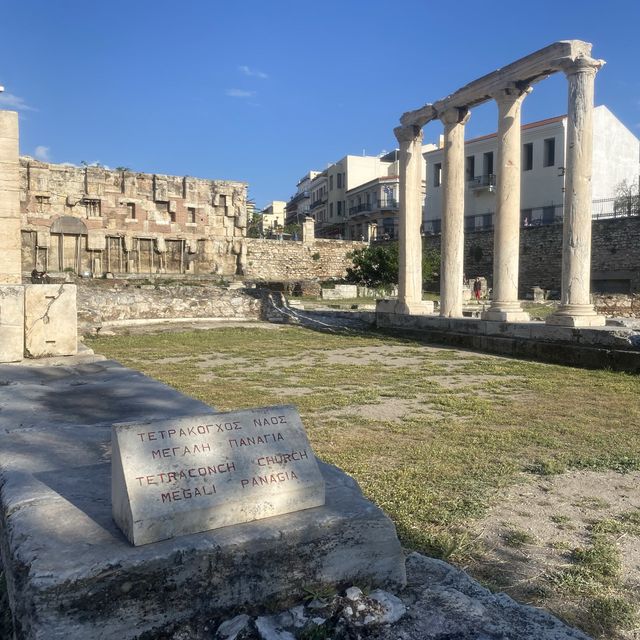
point(10, 242)
point(452, 248)
point(506, 244)
point(410, 218)
point(575, 301)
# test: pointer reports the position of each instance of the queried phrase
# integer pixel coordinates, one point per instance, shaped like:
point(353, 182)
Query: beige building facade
point(273, 217)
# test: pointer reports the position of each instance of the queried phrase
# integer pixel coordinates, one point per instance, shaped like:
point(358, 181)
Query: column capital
point(455, 115)
point(582, 64)
point(511, 93)
point(408, 133)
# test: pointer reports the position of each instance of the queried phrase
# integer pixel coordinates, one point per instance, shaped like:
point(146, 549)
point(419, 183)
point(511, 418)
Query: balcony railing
point(388, 203)
point(365, 206)
point(317, 203)
point(480, 183)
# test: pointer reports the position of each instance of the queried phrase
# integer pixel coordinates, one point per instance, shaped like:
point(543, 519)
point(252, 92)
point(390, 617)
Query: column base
point(576, 315)
point(505, 312)
point(402, 307)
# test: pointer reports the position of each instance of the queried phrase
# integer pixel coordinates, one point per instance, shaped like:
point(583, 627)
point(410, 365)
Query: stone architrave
point(192, 474)
point(575, 300)
point(452, 250)
point(50, 320)
point(505, 306)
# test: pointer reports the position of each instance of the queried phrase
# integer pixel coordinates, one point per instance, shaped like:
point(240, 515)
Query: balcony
point(317, 203)
point(483, 183)
point(359, 208)
point(388, 204)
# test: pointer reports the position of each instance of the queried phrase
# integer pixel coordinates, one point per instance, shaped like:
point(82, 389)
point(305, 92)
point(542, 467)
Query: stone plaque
point(195, 473)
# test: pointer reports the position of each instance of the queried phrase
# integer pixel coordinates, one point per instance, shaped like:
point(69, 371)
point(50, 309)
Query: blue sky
point(263, 91)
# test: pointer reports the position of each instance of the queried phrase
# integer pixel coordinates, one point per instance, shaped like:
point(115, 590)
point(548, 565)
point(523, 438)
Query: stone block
point(50, 320)
point(225, 469)
point(11, 323)
point(72, 574)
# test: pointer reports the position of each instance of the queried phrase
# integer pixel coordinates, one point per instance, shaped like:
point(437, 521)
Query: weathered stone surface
point(11, 323)
point(50, 320)
point(440, 602)
point(101, 306)
point(185, 475)
point(72, 574)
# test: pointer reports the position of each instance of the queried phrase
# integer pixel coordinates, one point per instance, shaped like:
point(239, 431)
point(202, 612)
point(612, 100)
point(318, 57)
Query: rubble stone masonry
point(92, 219)
point(615, 256)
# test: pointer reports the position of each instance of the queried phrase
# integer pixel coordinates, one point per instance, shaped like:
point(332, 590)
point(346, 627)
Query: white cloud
point(10, 101)
point(240, 93)
point(254, 73)
point(42, 153)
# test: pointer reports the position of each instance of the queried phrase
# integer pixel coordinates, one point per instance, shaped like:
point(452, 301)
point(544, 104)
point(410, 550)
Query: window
point(549, 159)
point(93, 208)
point(191, 215)
point(223, 201)
point(437, 174)
point(487, 164)
point(42, 203)
point(131, 210)
point(339, 181)
point(172, 216)
point(339, 207)
point(470, 168)
point(527, 156)
point(331, 209)
point(330, 183)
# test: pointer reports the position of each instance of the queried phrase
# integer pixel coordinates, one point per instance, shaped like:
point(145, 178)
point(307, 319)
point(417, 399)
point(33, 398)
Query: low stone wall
point(100, 304)
point(615, 255)
point(289, 260)
point(618, 305)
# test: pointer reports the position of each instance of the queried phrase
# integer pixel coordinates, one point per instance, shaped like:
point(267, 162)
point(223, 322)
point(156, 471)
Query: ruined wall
point(98, 220)
point(321, 259)
point(121, 301)
point(615, 257)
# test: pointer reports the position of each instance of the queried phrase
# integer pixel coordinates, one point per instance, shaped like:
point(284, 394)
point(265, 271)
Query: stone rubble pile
point(439, 602)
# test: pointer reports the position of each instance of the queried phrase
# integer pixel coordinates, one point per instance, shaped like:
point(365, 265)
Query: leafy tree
point(253, 227)
point(376, 266)
point(627, 200)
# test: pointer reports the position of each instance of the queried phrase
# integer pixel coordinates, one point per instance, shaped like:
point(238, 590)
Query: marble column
point(575, 308)
point(410, 218)
point(505, 306)
point(452, 248)
point(10, 239)
point(11, 289)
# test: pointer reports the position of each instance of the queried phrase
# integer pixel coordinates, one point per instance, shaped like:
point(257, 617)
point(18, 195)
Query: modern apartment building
point(273, 217)
point(616, 156)
point(299, 205)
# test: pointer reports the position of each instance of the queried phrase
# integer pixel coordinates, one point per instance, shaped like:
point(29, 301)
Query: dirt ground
point(551, 516)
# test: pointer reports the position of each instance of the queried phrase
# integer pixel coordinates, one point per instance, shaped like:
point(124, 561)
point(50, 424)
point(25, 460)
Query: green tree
point(376, 266)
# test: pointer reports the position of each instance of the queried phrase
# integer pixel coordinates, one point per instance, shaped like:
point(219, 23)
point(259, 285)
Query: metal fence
point(602, 209)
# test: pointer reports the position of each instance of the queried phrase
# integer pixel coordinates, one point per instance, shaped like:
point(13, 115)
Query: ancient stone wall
point(117, 302)
point(98, 220)
point(615, 258)
point(288, 260)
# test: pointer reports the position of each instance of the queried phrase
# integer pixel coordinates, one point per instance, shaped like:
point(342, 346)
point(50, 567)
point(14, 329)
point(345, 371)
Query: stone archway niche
point(508, 86)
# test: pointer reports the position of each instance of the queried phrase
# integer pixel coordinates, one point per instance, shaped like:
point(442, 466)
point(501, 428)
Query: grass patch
point(518, 538)
point(438, 468)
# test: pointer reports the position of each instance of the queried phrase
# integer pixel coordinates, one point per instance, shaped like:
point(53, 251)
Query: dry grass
point(451, 431)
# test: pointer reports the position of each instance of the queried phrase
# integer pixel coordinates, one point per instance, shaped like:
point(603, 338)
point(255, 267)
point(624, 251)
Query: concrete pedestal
point(71, 573)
